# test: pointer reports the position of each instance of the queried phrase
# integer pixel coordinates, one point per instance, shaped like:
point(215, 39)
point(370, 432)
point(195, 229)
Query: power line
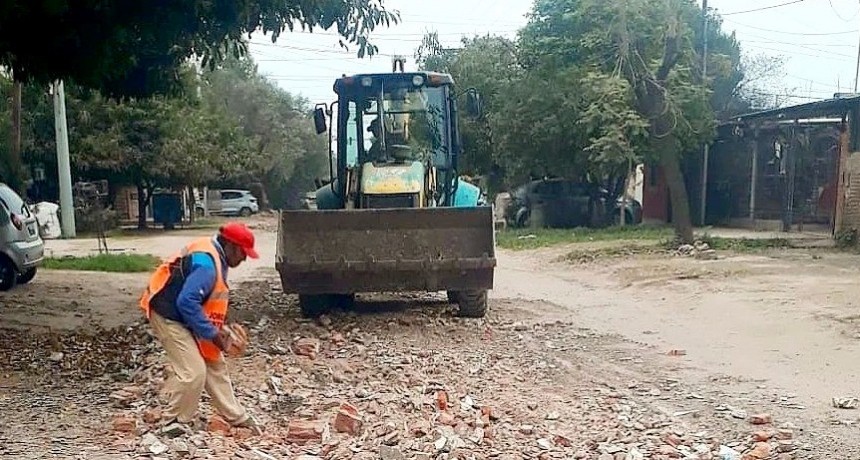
point(847, 32)
point(840, 16)
point(762, 8)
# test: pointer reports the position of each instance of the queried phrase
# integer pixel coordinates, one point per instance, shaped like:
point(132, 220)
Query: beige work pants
point(191, 374)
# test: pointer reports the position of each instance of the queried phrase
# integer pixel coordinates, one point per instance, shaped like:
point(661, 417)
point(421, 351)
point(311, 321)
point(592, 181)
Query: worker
point(186, 305)
point(375, 153)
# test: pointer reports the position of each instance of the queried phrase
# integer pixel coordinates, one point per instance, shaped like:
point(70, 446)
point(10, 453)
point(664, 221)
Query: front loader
point(396, 216)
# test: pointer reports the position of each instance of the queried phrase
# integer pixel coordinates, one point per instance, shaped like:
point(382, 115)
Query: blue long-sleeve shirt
point(199, 282)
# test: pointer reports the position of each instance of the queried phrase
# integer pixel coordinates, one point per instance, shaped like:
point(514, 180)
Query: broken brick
point(306, 347)
point(347, 420)
point(304, 431)
point(243, 433)
point(761, 419)
point(124, 424)
point(762, 436)
point(759, 452)
point(784, 434)
point(152, 415)
point(442, 400)
point(672, 439)
point(446, 419)
point(218, 425)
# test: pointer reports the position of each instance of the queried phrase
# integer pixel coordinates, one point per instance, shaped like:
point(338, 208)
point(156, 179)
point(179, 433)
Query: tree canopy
point(229, 128)
point(131, 48)
point(592, 86)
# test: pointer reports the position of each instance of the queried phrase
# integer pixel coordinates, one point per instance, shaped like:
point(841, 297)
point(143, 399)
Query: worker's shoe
point(252, 424)
point(174, 428)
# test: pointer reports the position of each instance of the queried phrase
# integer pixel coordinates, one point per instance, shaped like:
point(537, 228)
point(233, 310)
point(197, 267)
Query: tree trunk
point(142, 204)
point(192, 204)
point(671, 165)
point(15, 177)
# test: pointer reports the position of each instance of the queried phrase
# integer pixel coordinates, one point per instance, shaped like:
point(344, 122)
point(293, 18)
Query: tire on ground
point(473, 304)
point(312, 306)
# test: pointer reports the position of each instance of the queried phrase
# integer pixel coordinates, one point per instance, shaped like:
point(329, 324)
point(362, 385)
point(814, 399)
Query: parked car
point(232, 203)
point(567, 203)
point(21, 247)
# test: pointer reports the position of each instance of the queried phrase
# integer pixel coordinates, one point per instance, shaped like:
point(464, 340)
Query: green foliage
point(230, 127)
point(135, 48)
point(114, 263)
point(519, 239)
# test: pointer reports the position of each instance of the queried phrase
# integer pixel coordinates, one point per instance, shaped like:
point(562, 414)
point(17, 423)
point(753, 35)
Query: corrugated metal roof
point(836, 107)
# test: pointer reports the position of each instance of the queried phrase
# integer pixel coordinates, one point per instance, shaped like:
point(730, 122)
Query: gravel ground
point(403, 379)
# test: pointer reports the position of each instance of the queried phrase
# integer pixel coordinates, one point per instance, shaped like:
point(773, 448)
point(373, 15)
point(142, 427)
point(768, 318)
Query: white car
point(232, 203)
point(21, 247)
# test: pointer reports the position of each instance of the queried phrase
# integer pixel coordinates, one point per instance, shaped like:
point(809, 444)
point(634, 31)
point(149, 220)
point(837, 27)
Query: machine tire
point(344, 301)
point(313, 306)
point(8, 274)
point(453, 297)
point(27, 276)
point(473, 304)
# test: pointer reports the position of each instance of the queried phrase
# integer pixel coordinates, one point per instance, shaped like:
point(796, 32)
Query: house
point(784, 169)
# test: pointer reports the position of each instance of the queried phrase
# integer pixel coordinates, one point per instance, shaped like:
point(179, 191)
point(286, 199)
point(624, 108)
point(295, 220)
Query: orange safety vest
point(215, 307)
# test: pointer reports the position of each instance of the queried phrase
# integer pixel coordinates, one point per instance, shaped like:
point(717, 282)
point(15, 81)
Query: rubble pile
point(79, 355)
point(414, 384)
point(699, 250)
point(424, 385)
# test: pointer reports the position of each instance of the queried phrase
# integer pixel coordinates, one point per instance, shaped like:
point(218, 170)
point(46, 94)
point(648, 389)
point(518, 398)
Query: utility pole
point(857, 68)
point(16, 181)
point(706, 147)
point(67, 207)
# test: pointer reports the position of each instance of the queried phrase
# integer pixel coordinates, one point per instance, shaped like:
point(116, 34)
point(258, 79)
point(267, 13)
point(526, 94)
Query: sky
point(817, 38)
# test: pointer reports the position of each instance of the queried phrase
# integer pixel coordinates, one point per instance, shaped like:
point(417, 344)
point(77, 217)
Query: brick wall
point(851, 196)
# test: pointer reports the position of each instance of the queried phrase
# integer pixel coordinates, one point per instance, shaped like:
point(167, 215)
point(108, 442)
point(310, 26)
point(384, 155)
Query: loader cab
point(396, 142)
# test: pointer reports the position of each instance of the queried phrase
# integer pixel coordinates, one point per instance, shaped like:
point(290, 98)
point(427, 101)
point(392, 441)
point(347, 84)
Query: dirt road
point(573, 361)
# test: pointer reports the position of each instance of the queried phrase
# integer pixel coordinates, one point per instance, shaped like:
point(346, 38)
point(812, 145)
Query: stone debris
point(420, 385)
point(699, 250)
point(846, 403)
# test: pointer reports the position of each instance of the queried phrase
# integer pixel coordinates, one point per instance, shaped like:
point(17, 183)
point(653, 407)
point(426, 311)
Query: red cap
point(238, 234)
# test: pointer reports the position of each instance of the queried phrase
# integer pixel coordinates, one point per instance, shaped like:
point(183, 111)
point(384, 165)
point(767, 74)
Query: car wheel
point(628, 218)
point(8, 274)
point(27, 276)
point(245, 212)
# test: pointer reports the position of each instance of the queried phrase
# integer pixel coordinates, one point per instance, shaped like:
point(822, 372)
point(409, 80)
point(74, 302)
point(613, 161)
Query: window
point(413, 125)
point(12, 203)
point(352, 135)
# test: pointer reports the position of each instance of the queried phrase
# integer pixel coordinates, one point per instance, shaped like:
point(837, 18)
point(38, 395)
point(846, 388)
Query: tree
point(651, 46)
point(134, 49)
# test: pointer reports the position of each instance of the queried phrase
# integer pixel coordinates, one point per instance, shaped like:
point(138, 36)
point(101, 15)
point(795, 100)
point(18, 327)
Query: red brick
point(306, 347)
point(762, 436)
point(304, 431)
point(218, 425)
point(442, 400)
point(759, 452)
point(152, 415)
point(347, 420)
point(672, 439)
point(761, 419)
point(124, 424)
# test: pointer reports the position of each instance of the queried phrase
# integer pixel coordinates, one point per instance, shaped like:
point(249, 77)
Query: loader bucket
point(386, 250)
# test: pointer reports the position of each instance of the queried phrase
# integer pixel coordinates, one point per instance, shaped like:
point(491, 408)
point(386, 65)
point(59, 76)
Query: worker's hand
point(238, 340)
point(223, 340)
